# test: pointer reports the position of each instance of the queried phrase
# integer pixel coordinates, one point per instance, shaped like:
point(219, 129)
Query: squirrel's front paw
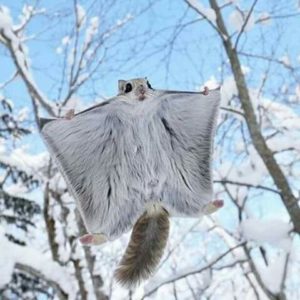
point(70, 114)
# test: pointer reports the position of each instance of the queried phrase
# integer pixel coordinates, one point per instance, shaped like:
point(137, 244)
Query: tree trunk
point(280, 180)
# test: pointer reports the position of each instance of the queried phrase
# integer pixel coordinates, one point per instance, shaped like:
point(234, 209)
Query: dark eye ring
point(128, 88)
point(149, 85)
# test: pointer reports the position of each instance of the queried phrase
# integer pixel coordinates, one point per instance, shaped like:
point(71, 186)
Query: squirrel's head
point(135, 89)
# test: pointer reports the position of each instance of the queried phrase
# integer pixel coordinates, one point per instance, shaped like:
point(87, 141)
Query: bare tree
point(249, 249)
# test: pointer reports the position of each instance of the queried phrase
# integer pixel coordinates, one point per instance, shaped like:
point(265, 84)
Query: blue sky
point(195, 56)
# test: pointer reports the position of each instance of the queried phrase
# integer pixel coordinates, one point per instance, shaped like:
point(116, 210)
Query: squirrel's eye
point(128, 88)
point(149, 85)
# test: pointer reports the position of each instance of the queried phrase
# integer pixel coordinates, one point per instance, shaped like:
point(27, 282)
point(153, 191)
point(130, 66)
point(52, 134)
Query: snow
point(7, 266)
point(123, 21)
point(255, 98)
point(83, 77)
point(119, 23)
point(92, 30)
point(76, 103)
point(27, 12)
point(59, 50)
point(283, 89)
point(12, 253)
point(57, 183)
point(237, 20)
point(280, 111)
point(250, 171)
point(187, 271)
point(71, 57)
point(94, 22)
point(282, 142)
point(19, 50)
point(206, 11)
point(23, 114)
point(71, 229)
point(286, 61)
point(211, 83)
point(20, 158)
point(228, 90)
point(5, 19)
point(60, 238)
point(246, 70)
point(284, 118)
point(66, 40)
point(272, 274)
point(17, 189)
point(81, 15)
point(274, 232)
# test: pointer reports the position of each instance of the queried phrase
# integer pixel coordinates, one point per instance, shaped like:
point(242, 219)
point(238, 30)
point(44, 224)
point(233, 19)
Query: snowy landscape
point(58, 56)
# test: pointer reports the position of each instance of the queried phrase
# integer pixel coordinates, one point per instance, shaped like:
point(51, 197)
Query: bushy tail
point(145, 249)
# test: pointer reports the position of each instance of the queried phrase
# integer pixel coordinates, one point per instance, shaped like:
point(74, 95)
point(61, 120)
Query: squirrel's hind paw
point(93, 239)
point(213, 207)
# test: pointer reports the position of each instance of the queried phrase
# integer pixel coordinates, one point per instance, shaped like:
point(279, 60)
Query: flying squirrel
point(133, 162)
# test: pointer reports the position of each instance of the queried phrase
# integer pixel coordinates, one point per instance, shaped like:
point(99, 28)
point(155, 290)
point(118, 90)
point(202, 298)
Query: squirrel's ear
point(121, 84)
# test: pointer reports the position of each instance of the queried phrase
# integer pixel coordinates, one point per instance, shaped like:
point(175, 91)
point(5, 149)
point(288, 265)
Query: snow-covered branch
point(208, 14)
point(28, 12)
point(191, 271)
point(30, 260)
point(257, 137)
point(10, 38)
point(85, 48)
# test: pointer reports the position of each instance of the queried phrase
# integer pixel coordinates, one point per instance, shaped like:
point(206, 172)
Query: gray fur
point(123, 155)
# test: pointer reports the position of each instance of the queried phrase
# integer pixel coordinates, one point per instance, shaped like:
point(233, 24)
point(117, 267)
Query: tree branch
point(280, 180)
point(97, 280)
point(195, 8)
point(245, 24)
point(13, 44)
point(262, 187)
point(32, 261)
point(56, 286)
point(191, 272)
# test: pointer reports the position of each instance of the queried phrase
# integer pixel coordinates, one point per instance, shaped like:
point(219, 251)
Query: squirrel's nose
point(142, 89)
